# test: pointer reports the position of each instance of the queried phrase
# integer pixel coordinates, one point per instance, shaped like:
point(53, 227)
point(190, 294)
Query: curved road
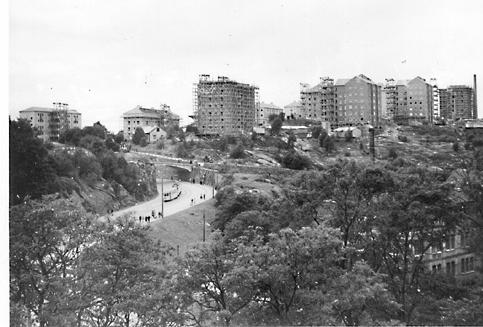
point(188, 191)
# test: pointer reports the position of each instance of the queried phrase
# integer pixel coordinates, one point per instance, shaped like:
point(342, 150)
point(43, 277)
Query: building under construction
point(224, 106)
point(51, 122)
point(458, 102)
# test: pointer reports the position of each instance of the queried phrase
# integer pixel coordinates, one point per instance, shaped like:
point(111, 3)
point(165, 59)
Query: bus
point(173, 193)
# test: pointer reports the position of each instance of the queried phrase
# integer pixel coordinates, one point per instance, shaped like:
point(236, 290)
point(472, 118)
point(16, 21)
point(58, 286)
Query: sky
point(104, 57)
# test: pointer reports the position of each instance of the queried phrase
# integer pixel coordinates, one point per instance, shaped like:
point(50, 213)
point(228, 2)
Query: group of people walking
point(202, 197)
point(153, 215)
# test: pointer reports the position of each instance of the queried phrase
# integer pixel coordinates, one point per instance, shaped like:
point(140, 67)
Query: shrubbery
point(238, 152)
point(293, 160)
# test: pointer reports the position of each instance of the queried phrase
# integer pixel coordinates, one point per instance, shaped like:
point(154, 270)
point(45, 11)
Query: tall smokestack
point(475, 105)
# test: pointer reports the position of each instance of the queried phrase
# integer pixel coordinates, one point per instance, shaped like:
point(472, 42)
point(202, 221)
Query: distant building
point(457, 102)
point(265, 111)
point(224, 106)
point(388, 99)
point(147, 118)
point(294, 110)
point(154, 133)
point(358, 101)
point(436, 103)
point(318, 101)
point(414, 100)
point(50, 122)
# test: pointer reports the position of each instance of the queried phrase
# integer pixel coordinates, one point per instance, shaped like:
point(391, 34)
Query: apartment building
point(414, 100)
point(264, 111)
point(294, 110)
point(147, 119)
point(388, 99)
point(457, 102)
point(357, 101)
point(436, 103)
point(50, 122)
point(224, 107)
point(318, 101)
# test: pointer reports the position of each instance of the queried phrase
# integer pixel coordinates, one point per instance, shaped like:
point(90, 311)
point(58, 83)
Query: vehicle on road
point(173, 193)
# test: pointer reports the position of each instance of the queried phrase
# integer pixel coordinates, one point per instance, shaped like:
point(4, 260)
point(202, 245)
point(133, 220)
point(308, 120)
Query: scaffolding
point(59, 120)
point(224, 106)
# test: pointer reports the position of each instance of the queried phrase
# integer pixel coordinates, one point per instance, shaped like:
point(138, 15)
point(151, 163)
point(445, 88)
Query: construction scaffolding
point(223, 106)
point(59, 120)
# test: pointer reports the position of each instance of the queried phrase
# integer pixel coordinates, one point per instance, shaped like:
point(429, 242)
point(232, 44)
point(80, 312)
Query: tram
point(173, 193)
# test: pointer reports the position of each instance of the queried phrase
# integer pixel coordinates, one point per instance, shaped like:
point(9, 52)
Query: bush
point(347, 154)
point(138, 136)
point(392, 153)
point(348, 136)
point(402, 138)
point(293, 160)
point(238, 152)
point(276, 126)
point(160, 144)
point(316, 130)
point(456, 146)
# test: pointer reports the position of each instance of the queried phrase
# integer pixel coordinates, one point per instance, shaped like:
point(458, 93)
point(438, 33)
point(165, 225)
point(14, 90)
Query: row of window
point(466, 266)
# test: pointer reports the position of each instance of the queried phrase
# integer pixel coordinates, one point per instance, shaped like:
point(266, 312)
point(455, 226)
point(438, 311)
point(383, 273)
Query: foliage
point(327, 142)
point(119, 138)
point(138, 136)
point(403, 138)
point(291, 140)
point(30, 170)
point(392, 153)
point(276, 126)
point(192, 128)
point(160, 144)
point(456, 146)
point(294, 160)
point(183, 150)
point(238, 152)
point(316, 130)
point(348, 136)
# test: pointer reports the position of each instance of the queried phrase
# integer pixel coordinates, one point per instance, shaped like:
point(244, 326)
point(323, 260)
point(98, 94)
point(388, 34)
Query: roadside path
point(188, 191)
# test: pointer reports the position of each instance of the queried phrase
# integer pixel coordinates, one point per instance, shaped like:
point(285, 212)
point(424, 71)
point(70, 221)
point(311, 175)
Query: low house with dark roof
point(50, 122)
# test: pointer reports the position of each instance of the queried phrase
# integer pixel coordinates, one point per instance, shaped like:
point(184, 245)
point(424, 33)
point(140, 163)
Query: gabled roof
point(294, 104)
point(149, 129)
point(143, 112)
point(402, 82)
point(342, 81)
point(44, 109)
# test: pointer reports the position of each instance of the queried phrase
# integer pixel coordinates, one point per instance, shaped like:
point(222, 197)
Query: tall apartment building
point(457, 102)
point(414, 100)
point(436, 103)
point(388, 99)
point(345, 102)
point(318, 101)
point(148, 118)
point(264, 112)
point(224, 106)
point(294, 110)
point(50, 122)
point(357, 101)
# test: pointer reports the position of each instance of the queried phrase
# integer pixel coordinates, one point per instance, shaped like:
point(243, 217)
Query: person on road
point(191, 202)
point(140, 218)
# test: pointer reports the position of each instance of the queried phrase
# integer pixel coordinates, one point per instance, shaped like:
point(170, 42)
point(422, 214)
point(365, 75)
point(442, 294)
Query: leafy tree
point(316, 130)
point(121, 273)
point(238, 152)
point(97, 129)
point(111, 144)
point(348, 136)
point(276, 126)
point(291, 140)
point(71, 136)
point(119, 138)
point(456, 146)
point(45, 243)
point(392, 153)
point(138, 136)
point(210, 279)
point(160, 144)
point(293, 160)
point(192, 128)
point(272, 117)
point(30, 171)
point(93, 143)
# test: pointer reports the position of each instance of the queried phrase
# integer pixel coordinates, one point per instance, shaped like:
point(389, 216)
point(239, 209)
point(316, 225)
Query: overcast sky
point(104, 57)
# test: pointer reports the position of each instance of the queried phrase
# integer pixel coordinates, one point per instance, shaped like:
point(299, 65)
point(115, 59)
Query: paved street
point(188, 191)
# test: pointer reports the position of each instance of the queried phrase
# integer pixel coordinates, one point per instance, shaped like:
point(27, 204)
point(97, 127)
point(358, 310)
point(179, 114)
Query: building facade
point(50, 122)
point(224, 106)
point(318, 101)
point(264, 111)
point(147, 118)
point(457, 102)
point(294, 110)
point(357, 101)
point(388, 99)
point(414, 100)
point(436, 103)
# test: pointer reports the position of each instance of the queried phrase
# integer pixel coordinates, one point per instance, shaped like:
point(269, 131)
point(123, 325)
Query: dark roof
point(43, 109)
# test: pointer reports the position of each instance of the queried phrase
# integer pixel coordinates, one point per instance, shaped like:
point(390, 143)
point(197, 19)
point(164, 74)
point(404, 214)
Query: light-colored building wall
point(414, 100)
point(147, 117)
point(265, 111)
point(318, 101)
point(44, 121)
point(294, 110)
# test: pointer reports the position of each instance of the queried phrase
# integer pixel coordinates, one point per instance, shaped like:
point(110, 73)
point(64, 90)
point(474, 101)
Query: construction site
point(224, 107)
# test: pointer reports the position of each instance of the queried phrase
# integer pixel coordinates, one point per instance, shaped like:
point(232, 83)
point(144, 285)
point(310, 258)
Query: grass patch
point(184, 228)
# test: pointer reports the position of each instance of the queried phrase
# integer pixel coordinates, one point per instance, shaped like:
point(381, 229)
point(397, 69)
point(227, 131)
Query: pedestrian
point(149, 219)
point(152, 213)
point(160, 215)
point(201, 197)
point(140, 218)
point(204, 196)
point(191, 201)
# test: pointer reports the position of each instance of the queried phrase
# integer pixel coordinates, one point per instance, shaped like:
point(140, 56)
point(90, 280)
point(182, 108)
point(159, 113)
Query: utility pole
point(204, 224)
point(162, 193)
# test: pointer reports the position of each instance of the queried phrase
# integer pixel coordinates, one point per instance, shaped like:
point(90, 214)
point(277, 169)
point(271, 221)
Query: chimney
point(475, 105)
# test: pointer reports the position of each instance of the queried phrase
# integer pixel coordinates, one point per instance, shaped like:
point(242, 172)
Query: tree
point(119, 138)
point(272, 117)
point(276, 126)
point(210, 279)
point(291, 140)
point(238, 152)
point(348, 136)
point(138, 136)
point(30, 171)
point(456, 146)
point(122, 273)
point(293, 160)
point(316, 130)
point(328, 144)
point(46, 238)
point(71, 136)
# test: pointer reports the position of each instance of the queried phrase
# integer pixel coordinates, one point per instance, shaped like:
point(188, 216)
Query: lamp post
point(204, 224)
point(162, 192)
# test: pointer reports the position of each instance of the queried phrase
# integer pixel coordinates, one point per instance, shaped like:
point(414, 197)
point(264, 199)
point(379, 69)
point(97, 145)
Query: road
point(188, 191)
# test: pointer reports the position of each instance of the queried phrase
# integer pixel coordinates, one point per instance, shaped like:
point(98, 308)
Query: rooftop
point(44, 109)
